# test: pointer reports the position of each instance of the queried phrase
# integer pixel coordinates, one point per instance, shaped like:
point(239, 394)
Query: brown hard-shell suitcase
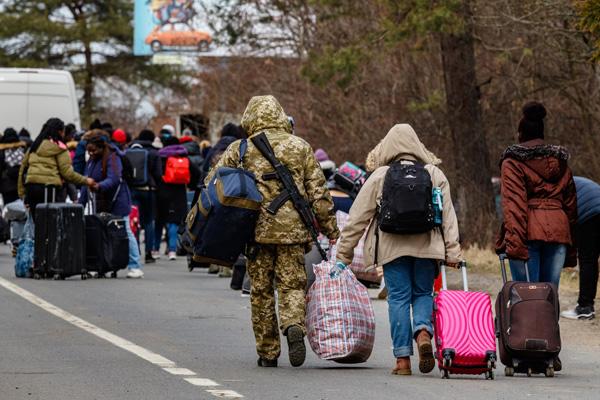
point(527, 326)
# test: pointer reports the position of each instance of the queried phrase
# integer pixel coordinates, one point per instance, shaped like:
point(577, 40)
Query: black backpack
point(407, 200)
point(137, 160)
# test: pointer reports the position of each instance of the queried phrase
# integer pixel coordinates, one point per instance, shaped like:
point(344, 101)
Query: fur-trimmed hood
point(547, 160)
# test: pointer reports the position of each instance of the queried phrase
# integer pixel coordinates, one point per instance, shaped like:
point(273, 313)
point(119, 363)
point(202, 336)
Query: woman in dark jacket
point(172, 206)
point(539, 203)
point(12, 152)
point(112, 193)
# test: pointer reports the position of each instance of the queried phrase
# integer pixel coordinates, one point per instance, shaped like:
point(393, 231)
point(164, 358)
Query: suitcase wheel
point(529, 372)
point(84, 274)
point(489, 375)
point(113, 275)
point(37, 276)
point(58, 277)
point(509, 371)
point(549, 372)
point(444, 374)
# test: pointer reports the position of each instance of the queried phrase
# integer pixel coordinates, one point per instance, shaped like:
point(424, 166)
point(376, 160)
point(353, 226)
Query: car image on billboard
point(178, 37)
point(171, 26)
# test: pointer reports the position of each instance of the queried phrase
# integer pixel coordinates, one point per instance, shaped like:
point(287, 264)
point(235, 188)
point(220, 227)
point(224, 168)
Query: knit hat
point(167, 129)
point(321, 155)
point(531, 125)
point(119, 136)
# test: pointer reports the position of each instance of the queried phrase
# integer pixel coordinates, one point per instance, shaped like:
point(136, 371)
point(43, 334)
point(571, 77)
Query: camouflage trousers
point(282, 265)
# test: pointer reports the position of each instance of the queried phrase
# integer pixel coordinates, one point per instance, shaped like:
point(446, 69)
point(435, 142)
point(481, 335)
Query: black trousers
point(588, 252)
point(36, 193)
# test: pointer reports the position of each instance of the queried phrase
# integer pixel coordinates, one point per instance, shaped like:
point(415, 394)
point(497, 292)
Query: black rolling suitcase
point(527, 326)
point(107, 243)
point(59, 250)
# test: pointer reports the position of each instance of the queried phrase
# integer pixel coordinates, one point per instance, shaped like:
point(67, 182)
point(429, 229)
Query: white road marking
point(226, 394)
point(180, 371)
point(143, 353)
point(201, 382)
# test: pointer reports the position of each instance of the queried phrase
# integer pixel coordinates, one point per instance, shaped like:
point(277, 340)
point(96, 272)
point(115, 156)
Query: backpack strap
point(243, 150)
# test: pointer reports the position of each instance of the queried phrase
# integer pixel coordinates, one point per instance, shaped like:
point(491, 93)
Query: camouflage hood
point(264, 113)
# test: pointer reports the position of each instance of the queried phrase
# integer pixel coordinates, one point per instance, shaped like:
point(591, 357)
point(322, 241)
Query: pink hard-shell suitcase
point(464, 333)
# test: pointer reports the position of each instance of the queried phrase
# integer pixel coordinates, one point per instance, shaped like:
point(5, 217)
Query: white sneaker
point(579, 312)
point(135, 273)
point(172, 256)
point(156, 255)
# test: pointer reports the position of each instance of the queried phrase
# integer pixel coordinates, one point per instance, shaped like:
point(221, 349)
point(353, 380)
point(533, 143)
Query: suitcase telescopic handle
point(503, 269)
point(463, 268)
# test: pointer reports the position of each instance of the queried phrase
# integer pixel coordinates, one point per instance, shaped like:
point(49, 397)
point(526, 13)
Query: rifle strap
point(284, 196)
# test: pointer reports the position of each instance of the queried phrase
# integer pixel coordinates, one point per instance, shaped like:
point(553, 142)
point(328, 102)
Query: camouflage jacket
point(264, 114)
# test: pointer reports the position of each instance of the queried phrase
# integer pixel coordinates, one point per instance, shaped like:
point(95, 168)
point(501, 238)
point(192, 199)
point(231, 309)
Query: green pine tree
point(589, 11)
point(92, 39)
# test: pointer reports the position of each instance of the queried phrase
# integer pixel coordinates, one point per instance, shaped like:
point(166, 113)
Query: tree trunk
point(88, 86)
point(473, 188)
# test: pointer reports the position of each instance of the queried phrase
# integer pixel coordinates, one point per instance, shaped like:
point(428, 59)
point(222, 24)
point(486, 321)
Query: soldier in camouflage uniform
point(281, 239)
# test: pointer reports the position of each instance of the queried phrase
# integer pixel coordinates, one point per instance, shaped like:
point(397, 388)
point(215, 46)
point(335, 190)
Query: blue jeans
point(145, 200)
point(171, 236)
point(134, 251)
point(546, 261)
point(409, 281)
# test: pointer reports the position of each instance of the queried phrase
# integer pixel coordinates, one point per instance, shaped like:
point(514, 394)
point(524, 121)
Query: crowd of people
point(548, 215)
point(107, 170)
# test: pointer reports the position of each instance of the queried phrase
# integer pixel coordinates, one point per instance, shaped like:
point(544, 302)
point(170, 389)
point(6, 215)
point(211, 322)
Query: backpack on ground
point(177, 171)
point(25, 250)
point(407, 200)
point(223, 219)
point(527, 326)
point(137, 157)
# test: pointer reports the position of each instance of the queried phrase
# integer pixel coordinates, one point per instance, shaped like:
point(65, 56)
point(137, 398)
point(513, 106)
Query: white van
point(29, 97)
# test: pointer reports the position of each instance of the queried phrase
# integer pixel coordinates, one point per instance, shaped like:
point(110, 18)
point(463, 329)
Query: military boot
point(265, 362)
point(297, 349)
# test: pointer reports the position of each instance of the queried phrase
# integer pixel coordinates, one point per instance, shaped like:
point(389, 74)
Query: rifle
point(290, 191)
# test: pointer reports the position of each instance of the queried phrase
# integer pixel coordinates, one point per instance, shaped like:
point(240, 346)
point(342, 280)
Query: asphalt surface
point(196, 321)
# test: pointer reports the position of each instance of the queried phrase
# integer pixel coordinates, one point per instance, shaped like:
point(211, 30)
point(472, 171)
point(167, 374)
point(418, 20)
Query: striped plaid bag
point(340, 318)
point(358, 263)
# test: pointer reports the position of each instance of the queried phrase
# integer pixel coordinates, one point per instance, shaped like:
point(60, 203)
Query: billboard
point(171, 27)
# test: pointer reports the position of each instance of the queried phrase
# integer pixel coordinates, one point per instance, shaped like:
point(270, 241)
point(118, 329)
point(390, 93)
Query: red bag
point(134, 220)
point(177, 171)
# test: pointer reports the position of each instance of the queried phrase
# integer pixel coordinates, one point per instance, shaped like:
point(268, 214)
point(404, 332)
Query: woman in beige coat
point(410, 261)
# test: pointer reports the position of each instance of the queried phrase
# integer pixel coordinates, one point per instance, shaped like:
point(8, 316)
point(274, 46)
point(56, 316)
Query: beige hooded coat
point(401, 143)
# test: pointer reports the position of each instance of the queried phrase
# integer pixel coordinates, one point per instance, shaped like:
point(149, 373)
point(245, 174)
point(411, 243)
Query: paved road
point(196, 322)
